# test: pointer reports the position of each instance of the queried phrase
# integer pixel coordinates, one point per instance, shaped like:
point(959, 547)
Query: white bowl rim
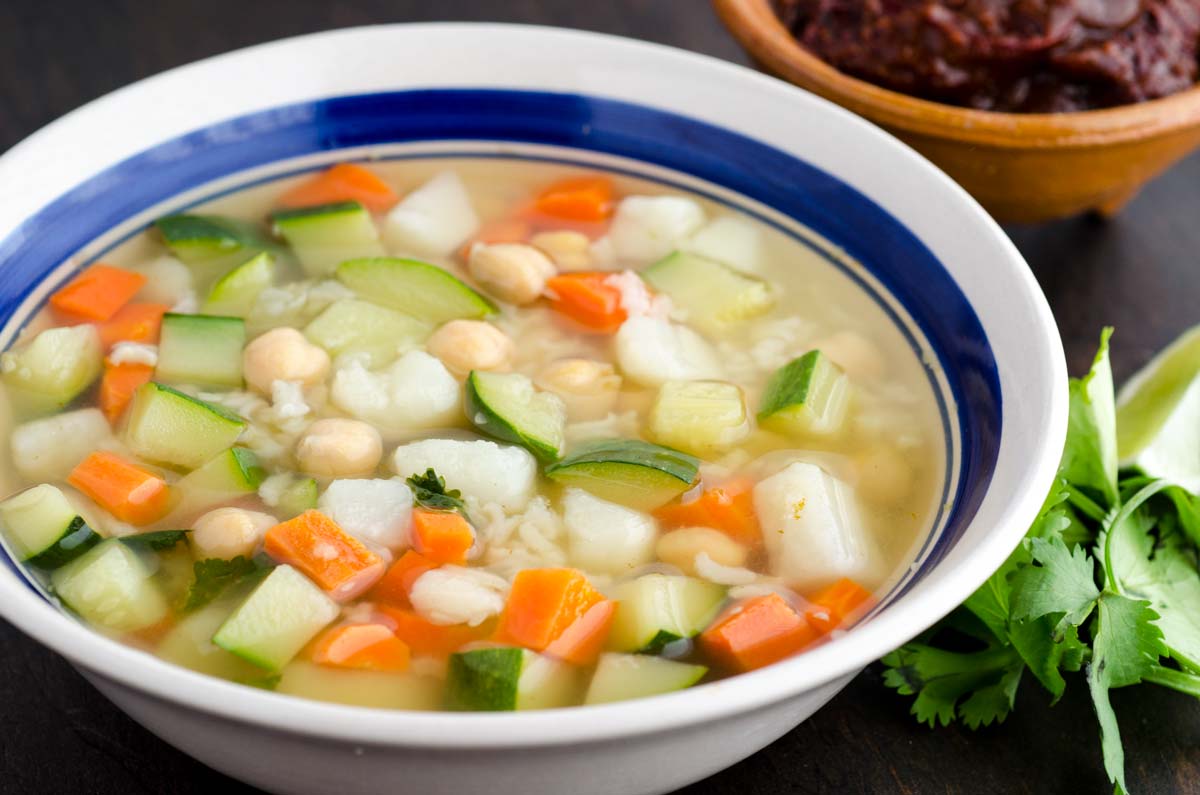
point(1027, 463)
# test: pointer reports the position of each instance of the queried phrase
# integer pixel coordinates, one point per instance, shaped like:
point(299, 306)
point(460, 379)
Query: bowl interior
point(809, 169)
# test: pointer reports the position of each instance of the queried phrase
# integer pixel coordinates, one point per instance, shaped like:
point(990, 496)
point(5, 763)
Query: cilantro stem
point(1131, 505)
point(1176, 680)
point(1085, 503)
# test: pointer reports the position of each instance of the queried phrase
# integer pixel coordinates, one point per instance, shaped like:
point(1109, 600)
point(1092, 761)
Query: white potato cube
point(648, 228)
point(433, 220)
point(48, 449)
point(604, 537)
point(812, 528)
point(415, 392)
point(376, 512)
point(168, 281)
point(483, 470)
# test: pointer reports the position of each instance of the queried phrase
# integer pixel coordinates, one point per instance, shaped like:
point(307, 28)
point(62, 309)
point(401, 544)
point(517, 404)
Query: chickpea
point(854, 353)
point(339, 448)
point(513, 272)
point(681, 547)
point(283, 354)
point(571, 251)
point(466, 345)
point(588, 388)
point(884, 476)
point(228, 532)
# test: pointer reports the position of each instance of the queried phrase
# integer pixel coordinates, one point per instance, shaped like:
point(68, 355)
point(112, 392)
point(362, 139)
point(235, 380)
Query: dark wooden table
point(1140, 273)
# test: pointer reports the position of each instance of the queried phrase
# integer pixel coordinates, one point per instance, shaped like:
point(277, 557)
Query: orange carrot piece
point(543, 604)
point(427, 639)
point(587, 198)
point(501, 230)
point(133, 323)
point(442, 536)
point(756, 633)
point(398, 581)
point(582, 642)
point(344, 182)
point(128, 492)
point(98, 292)
point(327, 554)
point(588, 299)
point(832, 605)
point(728, 508)
point(373, 647)
point(119, 383)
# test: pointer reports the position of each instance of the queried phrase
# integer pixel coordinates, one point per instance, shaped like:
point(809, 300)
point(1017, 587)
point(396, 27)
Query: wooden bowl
point(1020, 166)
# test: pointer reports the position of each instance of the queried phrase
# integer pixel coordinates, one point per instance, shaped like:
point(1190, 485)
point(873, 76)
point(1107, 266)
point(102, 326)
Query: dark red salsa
point(1029, 56)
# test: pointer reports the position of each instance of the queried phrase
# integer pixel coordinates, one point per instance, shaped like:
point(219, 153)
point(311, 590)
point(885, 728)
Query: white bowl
point(930, 256)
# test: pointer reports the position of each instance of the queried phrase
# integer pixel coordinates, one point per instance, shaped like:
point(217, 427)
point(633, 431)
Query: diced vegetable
point(360, 688)
point(442, 536)
point(49, 448)
point(168, 282)
point(230, 474)
point(653, 350)
point(648, 228)
point(128, 492)
point(111, 587)
point(415, 392)
point(506, 406)
point(189, 643)
point(433, 220)
point(351, 326)
point(279, 617)
point(731, 240)
point(371, 647)
point(715, 297)
point(812, 528)
point(53, 369)
point(587, 298)
point(299, 496)
point(376, 512)
point(808, 396)
point(605, 537)
point(418, 289)
point(98, 292)
point(755, 633)
point(331, 557)
point(700, 417)
point(342, 183)
point(236, 292)
point(500, 230)
point(657, 609)
point(498, 679)
point(832, 605)
point(588, 198)
point(211, 244)
point(173, 428)
point(426, 639)
point(132, 323)
point(620, 677)
point(329, 234)
point(728, 508)
point(205, 350)
point(484, 470)
point(44, 528)
point(629, 472)
point(543, 604)
point(118, 384)
point(396, 584)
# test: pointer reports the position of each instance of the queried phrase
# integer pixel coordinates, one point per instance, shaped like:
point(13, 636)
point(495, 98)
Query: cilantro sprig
point(1105, 582)
point(429, 491)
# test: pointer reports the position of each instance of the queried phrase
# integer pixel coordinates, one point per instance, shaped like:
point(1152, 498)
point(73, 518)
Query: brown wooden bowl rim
point(757, 28)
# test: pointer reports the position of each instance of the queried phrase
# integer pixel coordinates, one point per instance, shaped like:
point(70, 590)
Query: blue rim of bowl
point(868, 234)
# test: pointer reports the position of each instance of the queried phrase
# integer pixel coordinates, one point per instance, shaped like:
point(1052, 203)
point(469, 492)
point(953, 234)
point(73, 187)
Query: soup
point(467, 434)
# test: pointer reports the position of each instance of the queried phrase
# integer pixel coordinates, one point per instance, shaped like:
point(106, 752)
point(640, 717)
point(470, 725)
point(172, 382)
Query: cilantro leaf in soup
point(156, 541)
point(214, 576)
point(429, 491)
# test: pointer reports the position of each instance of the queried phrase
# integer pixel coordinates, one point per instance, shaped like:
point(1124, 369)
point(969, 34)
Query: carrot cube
point(117, 386)
point(344, 182)
point(373, 647)
point(582, 641)
point(578, 199)
point(398, 581)
point(756, 633)
point(427, 639)
point(442, 536)
point(728, 508)
point(128, 492)
point(328, 555)
point(588, 299)
point(133, 323)
point(543, 604)
point(835, 603)
point(98, 292)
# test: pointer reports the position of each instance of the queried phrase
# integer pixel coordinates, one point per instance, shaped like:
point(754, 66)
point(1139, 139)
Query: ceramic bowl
point(864, 202)
point(1021, 167)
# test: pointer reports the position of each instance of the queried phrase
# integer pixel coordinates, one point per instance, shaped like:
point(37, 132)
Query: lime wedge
point(1158, 414)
